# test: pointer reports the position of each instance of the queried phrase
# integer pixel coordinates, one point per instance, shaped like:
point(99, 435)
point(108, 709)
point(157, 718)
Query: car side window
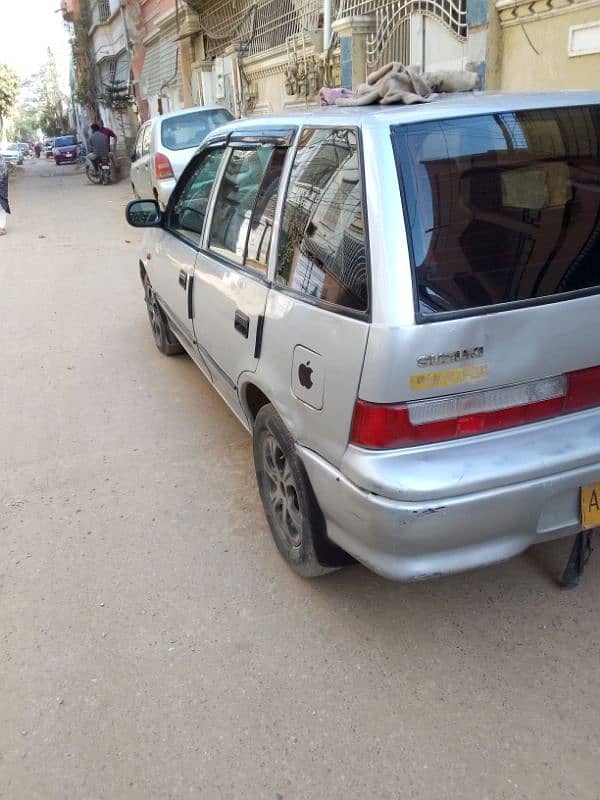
point(138, 142)
point(189, 208)
point(322, 250)
point(146, 139)
point(236, 200)
point(263, 216)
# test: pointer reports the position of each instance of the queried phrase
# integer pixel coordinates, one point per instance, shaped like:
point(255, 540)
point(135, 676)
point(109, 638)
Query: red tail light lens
point(378, 426)
point(162, 167)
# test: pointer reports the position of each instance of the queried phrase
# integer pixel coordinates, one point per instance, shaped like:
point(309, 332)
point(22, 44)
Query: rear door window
point(146, 139)
point(501, 208)
point(138, 142)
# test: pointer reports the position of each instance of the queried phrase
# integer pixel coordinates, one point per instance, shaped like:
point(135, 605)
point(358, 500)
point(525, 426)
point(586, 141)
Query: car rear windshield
point(501, 208)
point(64, 141)
point(188, 130)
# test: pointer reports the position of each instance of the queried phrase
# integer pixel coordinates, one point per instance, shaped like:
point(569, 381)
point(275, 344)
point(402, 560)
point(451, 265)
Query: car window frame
point(222, 256)
point(335, 308)
point(251, 139)
point(180, 186)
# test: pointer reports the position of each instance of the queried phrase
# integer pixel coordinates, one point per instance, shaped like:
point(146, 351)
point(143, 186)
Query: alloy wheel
point(282, 491)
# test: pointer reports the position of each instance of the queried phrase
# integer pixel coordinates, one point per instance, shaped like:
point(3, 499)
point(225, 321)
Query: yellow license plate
point(590, 506)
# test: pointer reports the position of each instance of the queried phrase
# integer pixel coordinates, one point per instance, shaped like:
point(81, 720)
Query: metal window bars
point(101, 11)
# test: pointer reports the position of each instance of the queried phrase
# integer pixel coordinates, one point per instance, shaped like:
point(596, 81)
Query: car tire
point(164, 337)
point(295, 519)
point(57, 162)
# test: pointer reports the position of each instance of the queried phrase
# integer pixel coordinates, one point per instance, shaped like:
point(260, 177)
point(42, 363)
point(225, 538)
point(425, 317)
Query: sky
point(27, 29)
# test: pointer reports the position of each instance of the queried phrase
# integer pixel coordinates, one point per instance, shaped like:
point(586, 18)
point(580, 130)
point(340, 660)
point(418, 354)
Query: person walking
point(4, 207)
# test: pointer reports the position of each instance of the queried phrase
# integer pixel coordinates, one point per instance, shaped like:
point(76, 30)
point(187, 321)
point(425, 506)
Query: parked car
point(12, 152)
point(164, 146)
point(24, 148)
point(401, 305)
point(49, 147)
point(66, 149)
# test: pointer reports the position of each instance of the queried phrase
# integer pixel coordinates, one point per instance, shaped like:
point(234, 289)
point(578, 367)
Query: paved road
point(154, 645)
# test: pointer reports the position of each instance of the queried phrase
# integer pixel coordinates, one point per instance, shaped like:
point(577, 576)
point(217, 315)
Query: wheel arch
point(253, 398)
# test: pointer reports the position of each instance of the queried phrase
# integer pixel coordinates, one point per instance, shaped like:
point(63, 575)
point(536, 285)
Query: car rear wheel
point(164, 338)
point(292, 511)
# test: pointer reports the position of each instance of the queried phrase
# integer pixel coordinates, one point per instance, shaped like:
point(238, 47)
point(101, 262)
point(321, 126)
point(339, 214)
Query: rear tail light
point(380, 426)
point(162, 167)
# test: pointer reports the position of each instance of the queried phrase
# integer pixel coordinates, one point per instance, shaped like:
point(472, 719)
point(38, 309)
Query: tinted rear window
point(64, 141)
point(502, 208)
point(188, 130)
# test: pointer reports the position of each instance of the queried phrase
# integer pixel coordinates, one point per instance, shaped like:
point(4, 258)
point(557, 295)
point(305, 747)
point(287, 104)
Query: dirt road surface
point(153, 643)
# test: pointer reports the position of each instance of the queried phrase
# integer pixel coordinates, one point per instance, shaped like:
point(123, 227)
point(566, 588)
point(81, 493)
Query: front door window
point(245, 206)
point(186, 215)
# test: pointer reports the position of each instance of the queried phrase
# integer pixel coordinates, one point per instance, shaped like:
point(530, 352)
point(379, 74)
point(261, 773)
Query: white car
point(164, 146)
point(12, 152)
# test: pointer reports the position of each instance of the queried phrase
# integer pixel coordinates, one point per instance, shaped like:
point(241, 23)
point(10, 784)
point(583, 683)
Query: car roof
point(444, 106)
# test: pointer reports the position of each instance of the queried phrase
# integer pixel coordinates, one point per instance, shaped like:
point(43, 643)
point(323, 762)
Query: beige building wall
point(535, 46)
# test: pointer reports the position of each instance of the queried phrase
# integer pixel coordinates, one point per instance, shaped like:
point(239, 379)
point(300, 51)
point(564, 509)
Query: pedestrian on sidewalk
point(4, 207)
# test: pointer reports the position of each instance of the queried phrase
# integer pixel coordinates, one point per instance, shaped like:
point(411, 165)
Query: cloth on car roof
point(396, 83)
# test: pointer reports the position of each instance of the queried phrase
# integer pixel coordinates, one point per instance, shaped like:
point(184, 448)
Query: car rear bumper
point(405, 540)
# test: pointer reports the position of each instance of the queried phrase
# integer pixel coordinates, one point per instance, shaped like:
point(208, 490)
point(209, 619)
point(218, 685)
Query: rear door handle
point(242, 323)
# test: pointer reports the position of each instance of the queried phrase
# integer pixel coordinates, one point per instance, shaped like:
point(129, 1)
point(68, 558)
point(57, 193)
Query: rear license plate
point(590, 506)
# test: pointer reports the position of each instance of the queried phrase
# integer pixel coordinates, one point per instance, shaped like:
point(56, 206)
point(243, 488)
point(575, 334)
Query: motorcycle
point(102, 172)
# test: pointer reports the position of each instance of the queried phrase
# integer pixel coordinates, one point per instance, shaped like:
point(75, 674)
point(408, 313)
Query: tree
point(9, 86)
point(86, 90)
point(53, 118)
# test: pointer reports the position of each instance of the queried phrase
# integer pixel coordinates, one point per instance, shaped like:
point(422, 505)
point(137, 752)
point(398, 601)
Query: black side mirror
point(133, 157)
point(143, 214)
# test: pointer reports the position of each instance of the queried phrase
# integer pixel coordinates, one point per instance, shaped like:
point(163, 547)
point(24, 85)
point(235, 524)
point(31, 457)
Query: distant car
point(48, 147)
point(24, 148)
point(11, 152)
point(164, 146)
point(66, 149)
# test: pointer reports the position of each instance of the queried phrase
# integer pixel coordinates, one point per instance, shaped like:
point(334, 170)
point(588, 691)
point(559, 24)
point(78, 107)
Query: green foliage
point(9, 86)
point(26, 124)
point(86, 90)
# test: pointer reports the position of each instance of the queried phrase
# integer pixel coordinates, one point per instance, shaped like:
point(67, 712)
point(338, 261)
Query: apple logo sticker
point(304, 375)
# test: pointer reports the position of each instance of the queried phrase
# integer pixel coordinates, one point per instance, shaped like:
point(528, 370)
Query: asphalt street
point(153, 644)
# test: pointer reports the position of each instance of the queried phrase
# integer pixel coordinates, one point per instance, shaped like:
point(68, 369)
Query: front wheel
point(92, 175)
point(292, 511)
point(164, 339)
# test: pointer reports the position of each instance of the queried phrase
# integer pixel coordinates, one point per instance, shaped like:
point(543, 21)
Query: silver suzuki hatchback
point(401, 304)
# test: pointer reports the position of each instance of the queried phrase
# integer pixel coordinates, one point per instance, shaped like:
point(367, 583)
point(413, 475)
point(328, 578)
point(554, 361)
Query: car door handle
point(242, 323)
point(182, 278)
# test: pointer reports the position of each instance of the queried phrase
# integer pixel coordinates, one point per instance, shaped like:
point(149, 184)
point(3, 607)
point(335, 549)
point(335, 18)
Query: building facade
point(550, 44)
